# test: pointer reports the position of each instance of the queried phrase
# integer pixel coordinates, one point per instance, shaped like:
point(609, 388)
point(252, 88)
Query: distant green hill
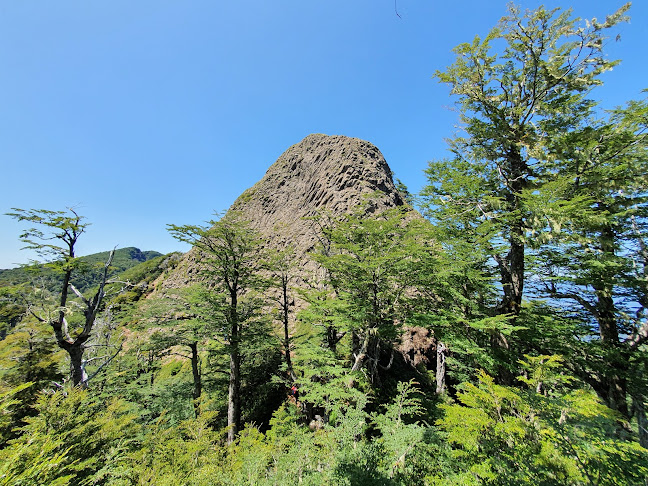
point(124, 259)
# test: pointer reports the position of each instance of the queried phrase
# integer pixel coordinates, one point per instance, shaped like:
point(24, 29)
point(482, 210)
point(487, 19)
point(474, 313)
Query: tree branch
point(80, 295)
point(639, 336)
point(106, 363)
point(587, 305)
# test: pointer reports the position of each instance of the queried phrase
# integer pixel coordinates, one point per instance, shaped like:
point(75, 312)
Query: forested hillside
point(331, 328)
point(89, 272)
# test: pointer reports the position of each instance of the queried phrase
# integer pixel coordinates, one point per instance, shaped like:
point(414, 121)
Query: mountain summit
point(321, 173)
point(332, 172)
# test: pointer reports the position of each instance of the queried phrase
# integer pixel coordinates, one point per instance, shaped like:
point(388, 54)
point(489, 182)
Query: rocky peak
point(321, 172)
point(332, 173)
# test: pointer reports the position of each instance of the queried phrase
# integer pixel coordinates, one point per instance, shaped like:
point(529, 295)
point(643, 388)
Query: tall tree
point(54, 238)
point(231, 263)
point(596, 265)
point(282, 267)
point(181, 329)
point(511, 104)
point(523, 84)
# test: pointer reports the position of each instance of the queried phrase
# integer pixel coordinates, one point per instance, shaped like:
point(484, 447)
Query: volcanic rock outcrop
point(332, 173)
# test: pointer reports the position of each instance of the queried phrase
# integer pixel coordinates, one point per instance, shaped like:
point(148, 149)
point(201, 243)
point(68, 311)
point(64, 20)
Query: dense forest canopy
point(491, 330)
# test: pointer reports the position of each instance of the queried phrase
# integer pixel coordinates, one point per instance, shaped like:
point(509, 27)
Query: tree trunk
point(511, 270)
point(512, 266)
point(234, 396)
point(285, 307)
point(368, 355)
point(616, 360)
point(642, 421)
point(197, 382)
point(359, 351)
point(441, 368)
point(77, 371)
point(333, 337)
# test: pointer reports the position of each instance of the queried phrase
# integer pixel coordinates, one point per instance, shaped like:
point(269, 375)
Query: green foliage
point(596, 265)
point(135, 281)
point(187, 454)
point(373, 263)
point(539, 200)
point(12, 308)
point(519, 87)
point(399, 437)
point(232, 261)
point(73, 438)
point(551, 199)
point(8, 404)
point(324, 382)
point(31, 466)
point(28, 355)
point(501, 435)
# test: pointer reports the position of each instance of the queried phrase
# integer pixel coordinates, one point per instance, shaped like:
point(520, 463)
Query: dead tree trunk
point(75, 347)
point(441, 368)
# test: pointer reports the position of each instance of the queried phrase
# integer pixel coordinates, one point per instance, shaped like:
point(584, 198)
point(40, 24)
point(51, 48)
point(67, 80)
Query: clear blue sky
point(148, 112)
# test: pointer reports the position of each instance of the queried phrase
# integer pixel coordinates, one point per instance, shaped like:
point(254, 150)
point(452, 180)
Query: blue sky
point(149, 112)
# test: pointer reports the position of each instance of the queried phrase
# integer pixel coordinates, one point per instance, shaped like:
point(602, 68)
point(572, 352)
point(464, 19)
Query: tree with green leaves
point(373, 265)
point(547, 434)
point(181, 328)
point(76, 438)
point(524, 84)
point(282, 268)
point(511, 105)
point(28, 355)
point(231, 259)
point(595, 266)
point(54, 238)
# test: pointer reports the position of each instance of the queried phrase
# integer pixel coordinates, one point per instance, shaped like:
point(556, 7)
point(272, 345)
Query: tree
point(283, 271)
point(179, 320)
point(373, 263)
point(596, 264)
point(231, 260)
point(28, 355)
point(521, 86)
point(548, 434)
point(76, 438)
point(55, 238)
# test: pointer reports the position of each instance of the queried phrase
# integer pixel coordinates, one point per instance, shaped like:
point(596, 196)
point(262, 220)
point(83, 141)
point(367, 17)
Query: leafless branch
point(106, 363)
point(66, 332)
point(79, 295)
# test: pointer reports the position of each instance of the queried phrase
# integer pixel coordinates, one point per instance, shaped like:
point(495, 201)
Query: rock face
point(332, 173)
